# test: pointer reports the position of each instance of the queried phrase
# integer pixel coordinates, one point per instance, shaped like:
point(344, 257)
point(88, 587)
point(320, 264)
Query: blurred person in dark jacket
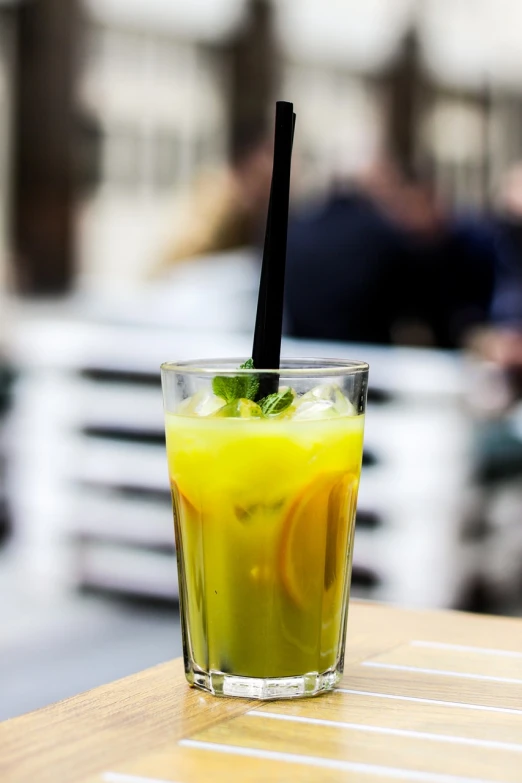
point(501, 343)
point(344, 276)
point(451, 266)
point(507, 303)
point(495, 395)
point(382, 262)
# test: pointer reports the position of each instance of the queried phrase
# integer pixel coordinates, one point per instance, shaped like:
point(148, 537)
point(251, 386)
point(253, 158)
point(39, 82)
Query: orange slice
point(313, 542)
point(341, 513)
point(181, 503)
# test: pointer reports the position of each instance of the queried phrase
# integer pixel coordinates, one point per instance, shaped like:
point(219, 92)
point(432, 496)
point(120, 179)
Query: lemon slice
point(240, 409)
point(313, 543)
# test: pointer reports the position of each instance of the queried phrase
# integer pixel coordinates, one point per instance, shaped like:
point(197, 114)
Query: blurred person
point(507, 304)
point(226, 209)
point(450, 263)
point(344, 277)
point(381, 261)
point(501, 342)
point(495, 399)
point(495, 396)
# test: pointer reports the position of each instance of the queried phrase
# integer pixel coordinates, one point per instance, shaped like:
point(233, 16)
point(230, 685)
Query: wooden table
point(434, 697)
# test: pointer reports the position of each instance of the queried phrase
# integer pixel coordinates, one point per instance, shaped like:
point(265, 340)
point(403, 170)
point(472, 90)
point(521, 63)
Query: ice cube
point(328, 392)
point(202, 403)
point(314, 409)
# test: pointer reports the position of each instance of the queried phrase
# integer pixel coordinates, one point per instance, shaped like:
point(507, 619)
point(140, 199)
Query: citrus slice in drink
point(313, 542)
point(341, 514)
point(181, 503)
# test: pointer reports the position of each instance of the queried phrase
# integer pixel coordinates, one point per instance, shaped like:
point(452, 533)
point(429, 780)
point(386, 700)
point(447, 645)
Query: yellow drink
point(264, 516)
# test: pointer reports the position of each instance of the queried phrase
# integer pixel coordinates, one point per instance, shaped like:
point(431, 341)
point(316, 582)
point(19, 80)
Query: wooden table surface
point(426, 696)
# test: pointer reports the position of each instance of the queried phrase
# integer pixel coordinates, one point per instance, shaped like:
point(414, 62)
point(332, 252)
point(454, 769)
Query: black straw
point(266, 351)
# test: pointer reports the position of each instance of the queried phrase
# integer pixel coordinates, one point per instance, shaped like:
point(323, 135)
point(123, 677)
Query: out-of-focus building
point(157, 76)
point(156, 85)
point(154, 90)
point(6, 97)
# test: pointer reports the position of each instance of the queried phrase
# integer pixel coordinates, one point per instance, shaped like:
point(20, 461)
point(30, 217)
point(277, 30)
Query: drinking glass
point(264, 497)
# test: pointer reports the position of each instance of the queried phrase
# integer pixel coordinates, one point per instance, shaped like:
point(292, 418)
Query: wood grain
point(134, 725)
point(388, 627)
point(190, 765)
point(417, 684)
point(373, 711)
point(469, 662)
point(99, 729)
point(409, 753)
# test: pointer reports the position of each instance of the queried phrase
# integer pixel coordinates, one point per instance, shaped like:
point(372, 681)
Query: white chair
point(89, 482)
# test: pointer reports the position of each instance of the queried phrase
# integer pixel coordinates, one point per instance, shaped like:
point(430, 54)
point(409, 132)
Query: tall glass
point(264, 501)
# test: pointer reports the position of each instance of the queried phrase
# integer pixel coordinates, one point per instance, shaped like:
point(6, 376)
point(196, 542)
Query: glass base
point(265, 688)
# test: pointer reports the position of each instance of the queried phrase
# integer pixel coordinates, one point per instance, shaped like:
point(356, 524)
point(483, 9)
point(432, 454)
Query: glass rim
point(304, 367)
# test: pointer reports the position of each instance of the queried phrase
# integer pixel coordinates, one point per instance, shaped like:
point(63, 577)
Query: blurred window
point(123, 149)
point(123, 50)
point(166, 158)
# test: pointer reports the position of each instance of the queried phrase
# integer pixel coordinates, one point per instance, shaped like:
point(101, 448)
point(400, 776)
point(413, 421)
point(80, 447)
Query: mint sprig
point(246, 387)
point(277, 402)
point(237, 387)
point(253, 380)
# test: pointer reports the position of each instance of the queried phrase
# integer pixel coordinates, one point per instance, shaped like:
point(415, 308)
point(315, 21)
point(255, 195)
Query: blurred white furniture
point(89, 484)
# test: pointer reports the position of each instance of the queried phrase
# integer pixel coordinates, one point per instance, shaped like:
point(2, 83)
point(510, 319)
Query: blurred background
point(135, 163)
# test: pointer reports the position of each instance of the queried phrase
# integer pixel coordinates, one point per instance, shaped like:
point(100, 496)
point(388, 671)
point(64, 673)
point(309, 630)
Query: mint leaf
point(223, 387)
point(276, 403)
point(237, 387)
point(246, 387)
point(252, 386)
